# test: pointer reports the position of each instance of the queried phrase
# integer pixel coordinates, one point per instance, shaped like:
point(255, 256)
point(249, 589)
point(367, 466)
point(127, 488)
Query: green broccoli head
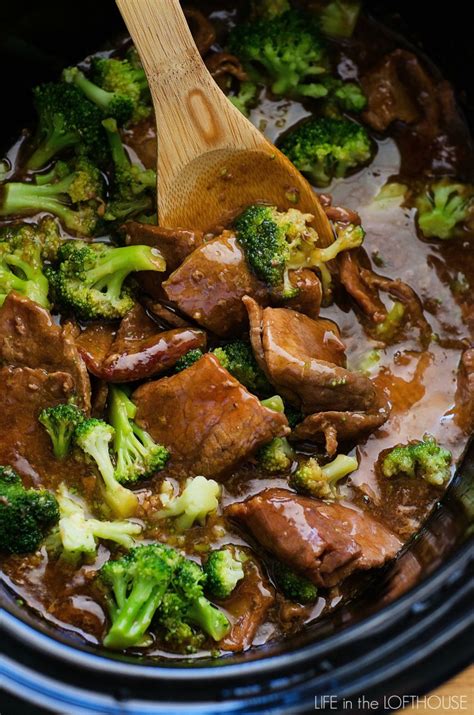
point(342, 97)
point(287, 49)
point(321, 482)
point(26, 515)
point(224, 570)
point(269, 8)
point(325, 148)
point(339, 17)
point(125, 78)
point(79, 534)
point(133, 188)
point(116, 104)
point(60, 422)
point(188, 359)
point(276, 456)
point(443, 208)
point(72, 192)
point(245, 97)
point(66, 120)
point(89, 278)
point(138, 455)
point(199, 498)
point(154, 582)
point(276, 242)
point(425, 458)
point(292, 585)
point(22, 247)
point(94, 436)
point(237, 357)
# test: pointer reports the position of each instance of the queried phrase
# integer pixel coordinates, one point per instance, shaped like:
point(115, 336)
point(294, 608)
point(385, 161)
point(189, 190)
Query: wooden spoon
point(212, 162)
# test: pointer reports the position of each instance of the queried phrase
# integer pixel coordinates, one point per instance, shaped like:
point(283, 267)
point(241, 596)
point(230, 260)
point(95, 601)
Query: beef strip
point(464, 401)
point(139, 350)
point(24, 443)
point(141, 138)
point(207, 419)
point(248, 607)
point(210, 284)
point(202, 29)
point(175, 244)
point(364, 285)
point(305, 360)
point(165, 315)
point(325, 542)
point(226, 69)
point(30, 338)
point(309, 296)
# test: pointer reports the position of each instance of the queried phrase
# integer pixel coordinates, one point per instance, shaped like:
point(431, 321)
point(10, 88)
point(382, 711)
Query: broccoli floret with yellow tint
point(443, 207)
point(425, 458)
point(276, 456)
point(199, 498)
point(321, 482)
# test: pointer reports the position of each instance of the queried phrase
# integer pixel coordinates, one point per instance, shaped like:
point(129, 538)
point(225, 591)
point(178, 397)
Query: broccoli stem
point(212, 621)
point(47, 150)
point(274, 403)
point(113, 268)
point(339, 467)
point(133, 621)
point(93, 92)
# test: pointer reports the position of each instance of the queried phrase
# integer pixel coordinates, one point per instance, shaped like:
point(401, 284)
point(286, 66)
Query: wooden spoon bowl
point(212, 162)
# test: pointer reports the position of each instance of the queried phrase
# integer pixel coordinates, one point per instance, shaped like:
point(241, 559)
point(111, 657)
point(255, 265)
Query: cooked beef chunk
point(207, 420)
point(210, 284)
point(309, 296)
point(248, 605)
point(202, 29)
point(325, 542)
point(364, 286)
point(30, 338)
point(24, 443)
point(165, 315)
point(305, 360)
point(140, 350)
point(465, 392)
point(225, 69)
point(141, 138)
point(333, 427)
point(94, 342)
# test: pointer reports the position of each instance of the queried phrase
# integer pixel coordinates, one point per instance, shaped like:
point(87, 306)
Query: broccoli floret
point(426, 459)
point(125, 78)
point(269, 8)
point(324, 148)
point(237, 357)
point(199, 498)
point(276, 456)
point(342, 97)
point(22, 247)
point(116, 104)
point(187, 606)
point(274, 403)
point(67, 120)
point(287, 49)
point(89, 279)
point(188, 359)
point(133, 187)
point(26, 515)
point(391, 325)
point(73, 194)
point(339, 17)
point(245, 98)
point(155, 582)
point(138, 456)
point(276, 242)
point(321, 482)
point(292, 585)
point(60, 423)
point(94, 436)
point(79, 533)
point(443, 207)
point(223, 571)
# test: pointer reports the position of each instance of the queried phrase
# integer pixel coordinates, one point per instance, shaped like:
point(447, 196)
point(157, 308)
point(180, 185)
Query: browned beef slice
point(207, 420)
point(210, 284)
point(24, 443)
point(141, 138)
point(309, 296)
point(140, 349)
point(94, 342)
point(333, 427)
point(325, 542)
point(248, 605)
point(30, 338)
point(465, 392)
point(304, 359)
point(175, 244)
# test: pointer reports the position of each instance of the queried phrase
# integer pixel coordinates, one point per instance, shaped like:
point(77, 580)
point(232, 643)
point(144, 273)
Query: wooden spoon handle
point(193, 114)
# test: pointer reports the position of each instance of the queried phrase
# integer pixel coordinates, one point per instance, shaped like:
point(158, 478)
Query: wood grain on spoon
point(212, 162)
